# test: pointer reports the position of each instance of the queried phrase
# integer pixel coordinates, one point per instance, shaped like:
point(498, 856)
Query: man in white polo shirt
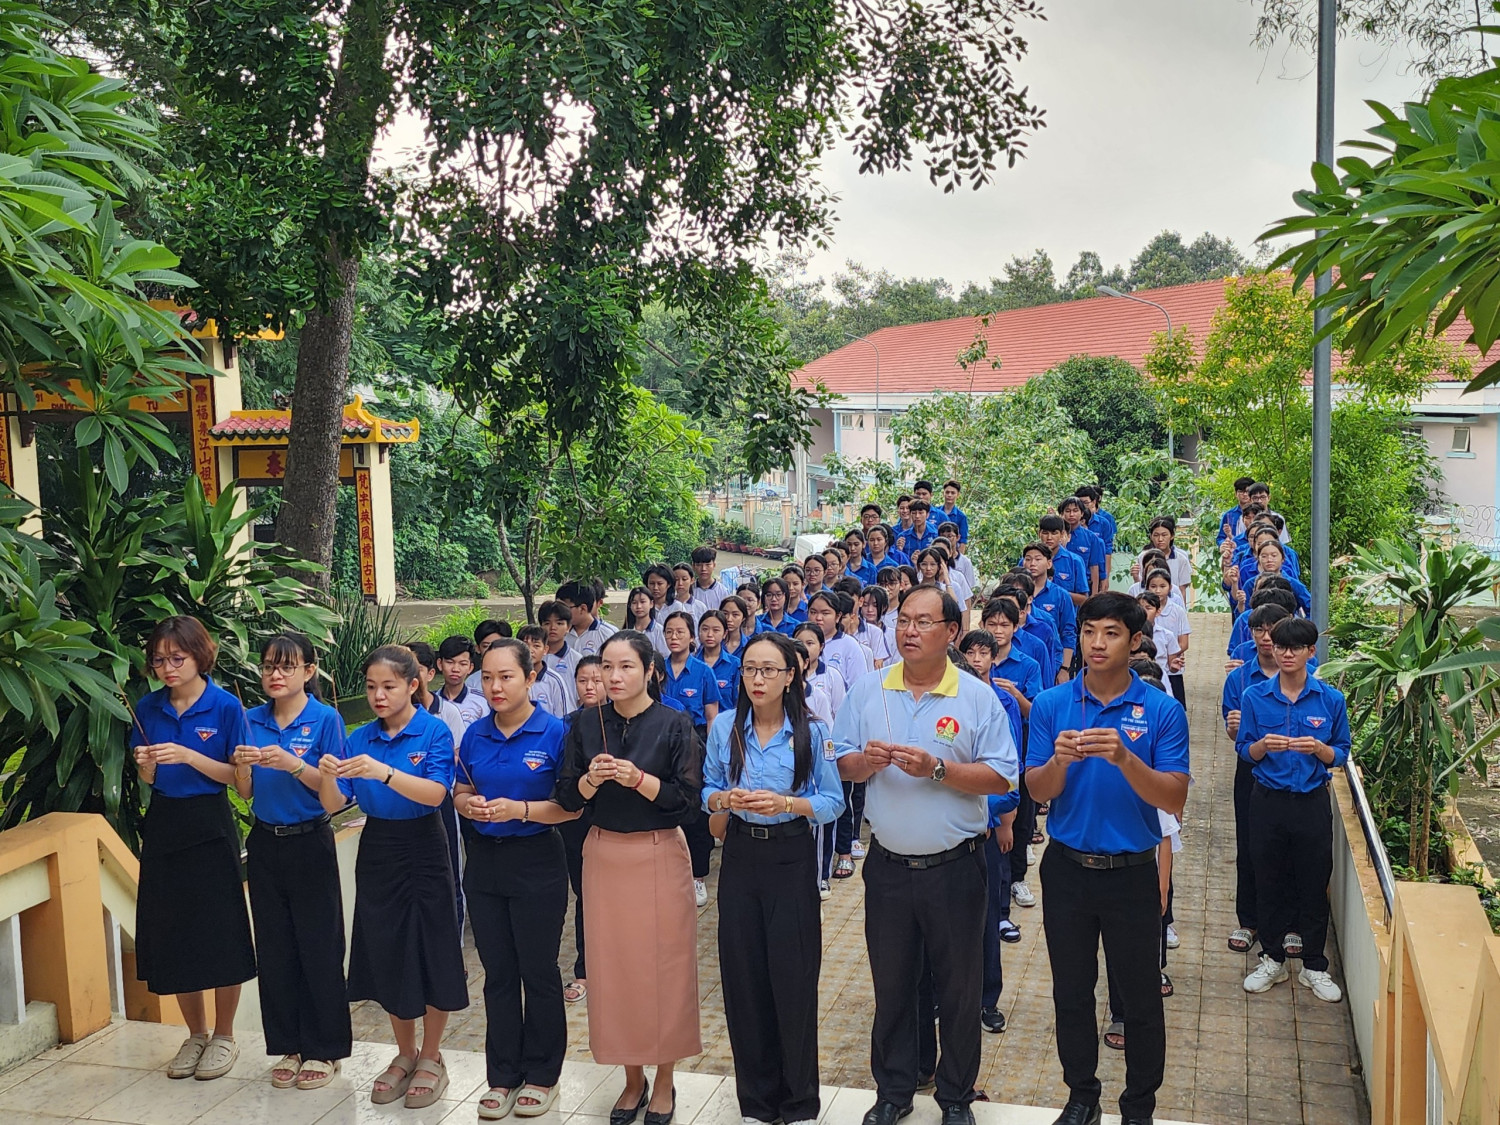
point(932, 743)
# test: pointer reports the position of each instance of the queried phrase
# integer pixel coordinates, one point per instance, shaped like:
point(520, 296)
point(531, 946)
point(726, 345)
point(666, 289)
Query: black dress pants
point(1291, 839)
point(1123, 907)
point(934, 914)
point(700, 840)
point(1025, 826)
point(299, 931)
point(573, 833)
point(770, 955)
point(517, 890)
point(1245, 894)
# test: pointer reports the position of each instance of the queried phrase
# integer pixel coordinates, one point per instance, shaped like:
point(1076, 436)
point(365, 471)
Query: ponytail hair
point(400, 660)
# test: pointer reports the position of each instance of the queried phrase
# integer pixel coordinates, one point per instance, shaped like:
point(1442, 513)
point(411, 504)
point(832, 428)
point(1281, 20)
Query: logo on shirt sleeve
point(829, 751)
point(205, 733)
point(416, 756)
point(947, 728)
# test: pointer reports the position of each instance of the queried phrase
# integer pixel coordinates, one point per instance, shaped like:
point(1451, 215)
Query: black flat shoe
point(1135, 1121)
point(959, 1114)
point(626, 1116)
point(886, 1113)
point(1076, 1113)
point(663, 1118)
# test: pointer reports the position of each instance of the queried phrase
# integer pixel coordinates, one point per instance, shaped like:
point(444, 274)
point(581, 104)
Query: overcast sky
point(1162, 114)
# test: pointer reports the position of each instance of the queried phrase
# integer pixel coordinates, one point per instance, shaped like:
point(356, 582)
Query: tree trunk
point(361, 90)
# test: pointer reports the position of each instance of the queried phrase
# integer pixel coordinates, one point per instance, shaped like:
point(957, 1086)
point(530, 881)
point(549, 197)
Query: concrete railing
point(1423, 985)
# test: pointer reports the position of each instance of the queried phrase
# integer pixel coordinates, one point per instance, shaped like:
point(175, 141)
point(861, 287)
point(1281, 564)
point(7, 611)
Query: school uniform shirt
point(695, 687)
point(422, 748)
point(864, 572)
point(549, 692)
point(959, 587)
point(1319, 712)
point(960, 720)
point(910, 542)
point(213, 726)
point(890, 558)
point(831, 685)
point(472, 705)
point(655, 635)
point(798, 612)
point(726, 674)
point(1180, 566)
point(966, 569)
point(1039, 631)
point(1053, 598)
point(521, 766)
point(1101, 813)
point(1246, 675)
point(278, 797)
point(786, 626)
point(1070, 572)
point(876, 644)
point(773, 767)
point(591, 640)
point(1175, 618)
point(888, 626)
point(942, 515)
point(1029, 645)
point(448, 713)
point(710, 597)
point(1174, 597)
point(1229, 524)
point(1087, 546)
point(1020, 670)
point(565, 664)
point(846, 657)
point(1012, 711)
point(692, 607)
point(1104, 526)
point(1166, 643)
point(818, 704)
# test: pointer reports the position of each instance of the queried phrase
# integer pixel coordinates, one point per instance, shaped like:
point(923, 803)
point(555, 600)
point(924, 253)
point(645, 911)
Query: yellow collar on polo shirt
point(895, 680)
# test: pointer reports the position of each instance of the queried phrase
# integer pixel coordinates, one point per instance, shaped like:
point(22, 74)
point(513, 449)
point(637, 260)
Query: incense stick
point(125, 699)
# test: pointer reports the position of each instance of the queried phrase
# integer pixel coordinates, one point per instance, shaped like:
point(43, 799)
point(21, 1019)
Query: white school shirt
point(550, 693)
point(695, 608)
point(1166, 645)
point(847, 657)
point(471, 705)
point(591, 640)
point(965, 568)
point(960, 587)
point(1175, 617)
point(1171, 828)
point(888, 623)
point(565, 664)
point(710, 598)
point(1175, 597)
point(830, 685)
point(875, 641)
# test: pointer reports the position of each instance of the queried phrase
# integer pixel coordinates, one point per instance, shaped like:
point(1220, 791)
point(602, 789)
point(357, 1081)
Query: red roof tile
point(918, 358)
point(280, 426)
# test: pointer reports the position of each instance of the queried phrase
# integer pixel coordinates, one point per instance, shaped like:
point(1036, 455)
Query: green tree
point(1167, 260)
point(1438, 34)
point(1111, 402)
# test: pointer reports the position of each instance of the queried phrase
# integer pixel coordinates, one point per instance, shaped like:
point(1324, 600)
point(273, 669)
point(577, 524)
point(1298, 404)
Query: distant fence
point(1472, 523)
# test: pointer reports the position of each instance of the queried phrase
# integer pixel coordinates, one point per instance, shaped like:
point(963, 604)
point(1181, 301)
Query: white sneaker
point(1321, 984)
point(856, 849)
point(1030, 855)
point(1173, 941)
point(1269, 972)
point(824, 890)
point(700, 892)
point(1022, 895)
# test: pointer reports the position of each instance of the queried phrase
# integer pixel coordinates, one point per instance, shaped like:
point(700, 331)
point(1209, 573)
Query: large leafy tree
point(579, 169)
point(1111, 402)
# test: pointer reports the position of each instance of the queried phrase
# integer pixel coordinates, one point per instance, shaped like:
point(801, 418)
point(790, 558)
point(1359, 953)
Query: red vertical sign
point(201, 413)
point(366, 509)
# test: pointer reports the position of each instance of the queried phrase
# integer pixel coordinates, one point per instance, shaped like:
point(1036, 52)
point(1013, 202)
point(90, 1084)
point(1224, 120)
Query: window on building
point(1460, 440)
point(850, 420)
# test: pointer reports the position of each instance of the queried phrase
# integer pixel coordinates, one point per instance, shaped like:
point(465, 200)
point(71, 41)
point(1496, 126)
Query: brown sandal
point(435, 1089)
point(403, 1066)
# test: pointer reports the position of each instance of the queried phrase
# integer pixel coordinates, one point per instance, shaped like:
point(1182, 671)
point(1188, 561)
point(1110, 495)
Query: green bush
point(429, 563)
point(461, 622)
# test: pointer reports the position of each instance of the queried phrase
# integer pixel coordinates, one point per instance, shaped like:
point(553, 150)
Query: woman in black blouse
point(637, 764)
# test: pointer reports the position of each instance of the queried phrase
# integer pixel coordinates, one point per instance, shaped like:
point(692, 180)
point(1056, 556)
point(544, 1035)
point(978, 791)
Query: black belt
point(923, 862)
point(780, 830)
point(1266, 790)
point(301, 829)
point(1104, 862)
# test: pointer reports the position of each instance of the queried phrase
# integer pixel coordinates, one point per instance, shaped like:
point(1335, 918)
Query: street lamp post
point(1111, 291)
point(1322, 388)
point(867, 340)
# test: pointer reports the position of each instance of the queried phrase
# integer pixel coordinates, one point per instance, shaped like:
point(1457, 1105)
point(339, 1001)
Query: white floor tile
point(142, 1046)
point(156, 1099)
point(67, 1089)
point(256, 1103)
point(359, 1110)
point(20, 1072)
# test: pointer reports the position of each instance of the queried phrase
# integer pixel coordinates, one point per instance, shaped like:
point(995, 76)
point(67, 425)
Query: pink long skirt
point(640, 926)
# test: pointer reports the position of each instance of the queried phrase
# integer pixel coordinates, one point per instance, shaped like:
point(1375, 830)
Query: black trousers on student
point(1024, 825)
point(299, 934)
point(700, 840)
point(449, 816)
point(852, 818)
point(1245, 894)
point(1179, 687)
point(770, 955)
point(1291, 839)
point(573, 833)
point(1123, 907)
point(518, 896)
point(934, 914)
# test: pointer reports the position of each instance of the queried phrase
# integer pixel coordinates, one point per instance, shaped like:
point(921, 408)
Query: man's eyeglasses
point(1292, 649)
point(920, 624)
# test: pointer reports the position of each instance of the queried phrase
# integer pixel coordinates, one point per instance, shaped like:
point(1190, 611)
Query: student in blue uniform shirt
point(1069, 569)
point(1055, 597)
point(293, 873)
point(1268, 560)
point(404, 953)
point(1108, 752)
point(796, 599)
point(1273, 591)
point(878, 552)
point(1229, 521)
point(1293, 729)
point(1083, 542)
point(768, 778)
point(689, 682)
point(192, 929)
point(1033, 638)
point(917, 538)
point(775, 619)
point(1101, 523)
point(724, 668)
point(950, 512)
point(1012, 672)
point(859, 565)
point(516, 883)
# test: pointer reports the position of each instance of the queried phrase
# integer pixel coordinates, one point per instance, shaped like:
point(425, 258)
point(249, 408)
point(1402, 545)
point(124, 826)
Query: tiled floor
point(119, 1076)
point(1300, 1070)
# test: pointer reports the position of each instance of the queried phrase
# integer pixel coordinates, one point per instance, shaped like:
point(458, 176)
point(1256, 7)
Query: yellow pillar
point(385, 533)
point(18, 467)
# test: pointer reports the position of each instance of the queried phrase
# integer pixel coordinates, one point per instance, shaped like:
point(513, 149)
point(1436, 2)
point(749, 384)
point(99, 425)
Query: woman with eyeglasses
point(192, 931)
point(769, 767)
point(295, 897)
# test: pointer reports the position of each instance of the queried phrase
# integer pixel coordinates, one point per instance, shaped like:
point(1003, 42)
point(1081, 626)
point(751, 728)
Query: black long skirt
point(192, 929)
point(405, 952)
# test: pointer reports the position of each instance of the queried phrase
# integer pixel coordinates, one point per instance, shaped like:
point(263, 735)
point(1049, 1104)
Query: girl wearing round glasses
point(769, 767)
point(192, 928)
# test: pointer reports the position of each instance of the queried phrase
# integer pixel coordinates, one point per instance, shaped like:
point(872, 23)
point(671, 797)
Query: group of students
point(774, 715)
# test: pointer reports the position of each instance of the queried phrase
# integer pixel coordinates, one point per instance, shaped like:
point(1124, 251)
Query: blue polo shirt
point(1012, 711)
point(522, 767)
point(1070, 572)
point(773, 767)
point(423, 748)
point(786, 627)
point(956, 515)
point(277, 796)
point(213, 726)
point(1304, 595)
point(1097, 811)
point(1020, 670)
point(726, 674)
point(1319, 712)
point(1228, 522)
point(892, 557)
point(1039, 649)
point(865, 572)
point(1087, 546)
point(1246, 675)
point(1103, 525)
point(908, 542)
point(798, 613)
point(1053, 597)
point(694, 687)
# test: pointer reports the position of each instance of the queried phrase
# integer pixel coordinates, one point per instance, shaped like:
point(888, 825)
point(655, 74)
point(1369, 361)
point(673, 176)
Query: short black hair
point(454, 647)
point(579, 593)
point(903, 499)
point(952, 612)
point(1113, 605)
point(424, 654)
point(1004, 606)
point(951, 483)
point(1148, 598)
point(792, 568)
point(1040, 548)
point(1272, 581)
point(553, 611)
point(592, 660)
point(871, 508)
point(850, 585)
point(1276, 595)
point(704, 554)
point(686, 568)
point(1092, 491)
point(1051, 523)
point(977, 638)
point(927, 484)
point(1147, 648)
point(1163, 521)
point(531, 633)
point(919, 506)
point(490, 628)
point(659, 571)
point(1069, 502)
point(947, 525)
point(1294, 632)
point(1242, 483)
point(1268, 614)
point(1258, 488)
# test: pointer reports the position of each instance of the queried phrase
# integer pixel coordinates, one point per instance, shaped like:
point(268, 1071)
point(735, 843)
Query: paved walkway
point(1299, 1070)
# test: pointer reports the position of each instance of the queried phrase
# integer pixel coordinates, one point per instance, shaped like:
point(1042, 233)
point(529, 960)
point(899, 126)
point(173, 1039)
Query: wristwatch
point(940, 771)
